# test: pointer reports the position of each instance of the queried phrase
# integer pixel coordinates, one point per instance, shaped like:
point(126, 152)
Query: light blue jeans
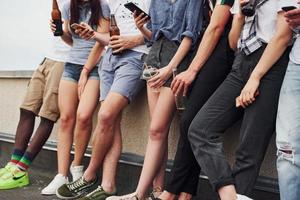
point(288, 135)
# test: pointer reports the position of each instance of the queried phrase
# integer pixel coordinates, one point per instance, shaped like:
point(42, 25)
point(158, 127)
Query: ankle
point(89, 177)
point(109, 187)
point(167, 196)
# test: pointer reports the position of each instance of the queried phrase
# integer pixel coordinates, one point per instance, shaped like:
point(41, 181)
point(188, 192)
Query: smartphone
point(132, 7)
point(77, 26)
point(288, 8)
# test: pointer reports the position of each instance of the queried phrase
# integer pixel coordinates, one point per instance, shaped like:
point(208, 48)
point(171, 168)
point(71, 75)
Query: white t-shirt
point(59, 50)
point(267, 17)
point(125, 20)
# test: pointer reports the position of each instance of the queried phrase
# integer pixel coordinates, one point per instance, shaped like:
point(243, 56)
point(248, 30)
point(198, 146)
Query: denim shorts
point(121, 74)
point(72, 72)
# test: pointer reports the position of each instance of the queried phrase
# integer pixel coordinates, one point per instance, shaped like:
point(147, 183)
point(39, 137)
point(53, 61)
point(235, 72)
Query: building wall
point(134, 125)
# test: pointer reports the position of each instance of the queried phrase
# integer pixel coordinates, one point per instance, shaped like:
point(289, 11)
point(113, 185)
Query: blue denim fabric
point(288, 135)
point(72, 72)
point(176, 20)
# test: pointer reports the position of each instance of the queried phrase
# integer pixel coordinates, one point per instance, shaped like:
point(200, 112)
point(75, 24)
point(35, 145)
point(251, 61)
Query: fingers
point(52, 26)
point(243, 2)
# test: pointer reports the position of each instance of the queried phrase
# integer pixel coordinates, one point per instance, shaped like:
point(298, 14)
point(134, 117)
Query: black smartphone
point(132, 7)
point(288, 8)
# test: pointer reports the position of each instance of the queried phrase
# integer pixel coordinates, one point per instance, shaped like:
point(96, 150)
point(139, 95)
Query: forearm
point(146, 33)
point(182, 51)
point(208, 44)
point(236, 29)
point(272, 53)
point(211, 37)
point(102, 38)
point(94, 56)
point(67, 38)
point(137, 40)
point(274, 49)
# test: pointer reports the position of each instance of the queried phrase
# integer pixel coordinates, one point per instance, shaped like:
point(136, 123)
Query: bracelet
point(87, 69)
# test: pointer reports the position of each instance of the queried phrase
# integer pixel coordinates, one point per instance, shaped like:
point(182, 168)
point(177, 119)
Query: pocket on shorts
point(51, 104)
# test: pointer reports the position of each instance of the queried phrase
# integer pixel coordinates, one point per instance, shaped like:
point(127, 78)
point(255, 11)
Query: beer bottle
point(56, 17)
point(114, 29)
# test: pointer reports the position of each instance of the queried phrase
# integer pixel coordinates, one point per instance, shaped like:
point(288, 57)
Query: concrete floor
point(38, 180)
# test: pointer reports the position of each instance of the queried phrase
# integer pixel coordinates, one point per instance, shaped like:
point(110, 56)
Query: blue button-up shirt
point(177, 20)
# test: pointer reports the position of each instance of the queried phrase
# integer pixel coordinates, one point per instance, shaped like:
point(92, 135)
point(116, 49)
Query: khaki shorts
point(42, 92)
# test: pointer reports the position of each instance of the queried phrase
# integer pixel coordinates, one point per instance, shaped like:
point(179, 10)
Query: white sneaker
point(242, 197)
point(132, 196)
point(58, 181)
point(76, 172)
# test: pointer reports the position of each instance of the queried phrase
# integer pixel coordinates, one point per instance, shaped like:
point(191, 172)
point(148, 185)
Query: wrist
point(192, 71)
point(256, 75)
point(85, 70)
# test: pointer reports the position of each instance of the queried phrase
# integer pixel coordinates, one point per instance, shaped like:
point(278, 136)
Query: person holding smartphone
point(76, 104)
point(250, 92)
point(120, 72)
point(288, 119)
point(173, 32)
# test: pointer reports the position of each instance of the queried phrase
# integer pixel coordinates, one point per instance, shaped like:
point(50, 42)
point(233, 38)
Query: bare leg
point(104, 131)
point(111, 159)
point(161, 118)
point(159, 179)
point(40, 137)
point(84, 120)
point(67, 102)
point(24, 129)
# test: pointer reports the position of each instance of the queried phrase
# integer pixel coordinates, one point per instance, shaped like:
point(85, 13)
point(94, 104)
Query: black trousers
point(185, 172)
point(258, 124)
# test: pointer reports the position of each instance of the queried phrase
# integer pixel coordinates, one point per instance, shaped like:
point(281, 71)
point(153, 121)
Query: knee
point(66, 121)
point(105, 118)
point(83, 119)
point(157, 133)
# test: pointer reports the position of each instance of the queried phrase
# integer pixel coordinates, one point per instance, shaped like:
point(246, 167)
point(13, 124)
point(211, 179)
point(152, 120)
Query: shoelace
point(77, 184)
point(99, 189)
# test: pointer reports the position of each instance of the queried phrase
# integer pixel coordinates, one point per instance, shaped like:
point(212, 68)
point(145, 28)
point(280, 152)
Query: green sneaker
point(75, 189)
point(14, 179)
point(97, 194)
point(5, 169)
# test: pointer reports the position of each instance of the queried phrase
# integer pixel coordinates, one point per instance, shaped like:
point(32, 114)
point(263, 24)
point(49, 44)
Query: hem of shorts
point(126, 96)
point(29, 109)
point(69, 79)
point(94, 78)
point(51, 117)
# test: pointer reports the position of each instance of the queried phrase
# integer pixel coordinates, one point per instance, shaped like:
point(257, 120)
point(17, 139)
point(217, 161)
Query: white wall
point(25, 33)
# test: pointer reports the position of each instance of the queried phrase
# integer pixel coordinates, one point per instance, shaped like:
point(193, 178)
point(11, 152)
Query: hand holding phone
point(135, 9)
point(77, 26)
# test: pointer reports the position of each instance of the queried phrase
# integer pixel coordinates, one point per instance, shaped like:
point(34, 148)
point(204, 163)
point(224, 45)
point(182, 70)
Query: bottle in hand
point(114, 29)
point(56, 17)
point(180, 100)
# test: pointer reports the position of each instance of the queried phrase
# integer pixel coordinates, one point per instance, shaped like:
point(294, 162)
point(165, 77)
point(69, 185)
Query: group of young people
point(230, 67)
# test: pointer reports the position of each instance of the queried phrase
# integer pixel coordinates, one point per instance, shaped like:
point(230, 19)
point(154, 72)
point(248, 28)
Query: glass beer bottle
point(114, 29)
point(56, 17)
point(180, 100)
